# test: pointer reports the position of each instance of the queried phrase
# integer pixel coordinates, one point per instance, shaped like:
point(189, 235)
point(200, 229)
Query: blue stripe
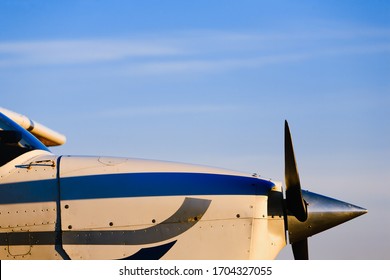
point(26, 192)
point(132, 185)
point(160, 184)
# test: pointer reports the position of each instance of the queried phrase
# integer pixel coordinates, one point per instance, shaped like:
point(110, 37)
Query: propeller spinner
point(309, 213)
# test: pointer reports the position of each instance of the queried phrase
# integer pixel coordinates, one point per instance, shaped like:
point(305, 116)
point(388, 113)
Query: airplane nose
point(323, 213)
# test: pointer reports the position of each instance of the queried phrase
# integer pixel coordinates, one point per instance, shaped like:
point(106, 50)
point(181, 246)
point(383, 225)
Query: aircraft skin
point(76, 207)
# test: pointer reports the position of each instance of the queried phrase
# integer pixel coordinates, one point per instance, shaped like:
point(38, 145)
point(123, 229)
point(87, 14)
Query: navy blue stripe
point(26, 192)
point(132, 185)
point(160, 184)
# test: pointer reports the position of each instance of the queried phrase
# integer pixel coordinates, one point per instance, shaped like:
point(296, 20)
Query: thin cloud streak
point(208, 65)
point(166, 110)
point(203, 65)
point(191, 52)
point(79, 52)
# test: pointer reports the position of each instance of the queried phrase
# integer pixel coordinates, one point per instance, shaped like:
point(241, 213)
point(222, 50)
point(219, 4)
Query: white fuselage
point(118, 208)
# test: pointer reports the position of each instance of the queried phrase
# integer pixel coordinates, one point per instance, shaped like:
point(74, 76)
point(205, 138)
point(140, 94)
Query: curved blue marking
point(160, 184)
point(152, 253)
point(187, 216)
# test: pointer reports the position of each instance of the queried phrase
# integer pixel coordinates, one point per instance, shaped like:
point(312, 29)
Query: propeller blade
point(300, 250)
point(308, 213)
point(294, 200)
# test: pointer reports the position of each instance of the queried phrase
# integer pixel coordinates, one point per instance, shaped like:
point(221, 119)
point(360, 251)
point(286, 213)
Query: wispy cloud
point(79, 51)
point(160, 110)
point(194, 51)
point(209, 65)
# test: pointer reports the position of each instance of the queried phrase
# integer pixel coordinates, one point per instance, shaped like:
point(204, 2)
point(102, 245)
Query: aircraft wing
point(46, 135)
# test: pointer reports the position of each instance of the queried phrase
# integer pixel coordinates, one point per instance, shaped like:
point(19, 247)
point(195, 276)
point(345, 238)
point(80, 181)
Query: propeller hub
point(323, 213)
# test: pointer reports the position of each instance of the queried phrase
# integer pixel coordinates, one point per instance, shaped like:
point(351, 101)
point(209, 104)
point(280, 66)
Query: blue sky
point(211, 82)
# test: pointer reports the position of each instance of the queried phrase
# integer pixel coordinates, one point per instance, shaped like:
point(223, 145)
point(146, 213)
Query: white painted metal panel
point(30, 208)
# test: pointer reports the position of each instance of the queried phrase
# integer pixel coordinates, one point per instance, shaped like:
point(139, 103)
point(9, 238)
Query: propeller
point(294, 200)
point(300, 250)
point(309, 213)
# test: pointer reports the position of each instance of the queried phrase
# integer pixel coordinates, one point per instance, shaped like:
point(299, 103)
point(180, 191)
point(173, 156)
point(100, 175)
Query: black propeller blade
point(294, 200)
point(300, 250)
point(295, 203)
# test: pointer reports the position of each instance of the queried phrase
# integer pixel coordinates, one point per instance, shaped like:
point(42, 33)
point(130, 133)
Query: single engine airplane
point(77, 207)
